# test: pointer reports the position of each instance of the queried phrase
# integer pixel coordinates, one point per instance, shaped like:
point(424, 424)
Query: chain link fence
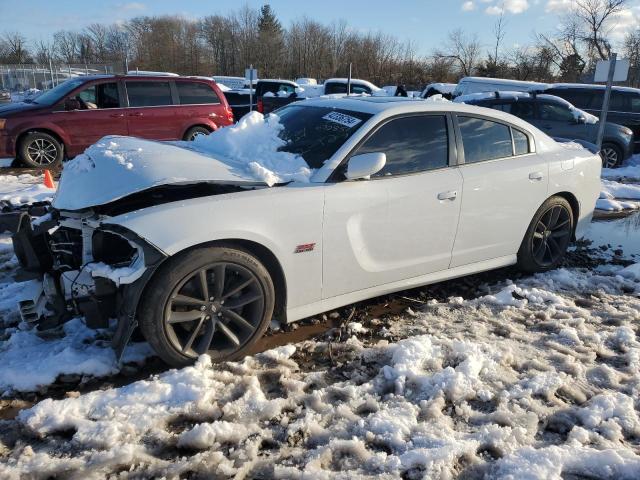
point(20, 78)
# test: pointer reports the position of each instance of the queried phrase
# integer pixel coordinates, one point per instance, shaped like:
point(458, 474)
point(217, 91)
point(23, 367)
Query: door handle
point(450, 195)
point(536, 176)
point(117, 115)
point(137, 114)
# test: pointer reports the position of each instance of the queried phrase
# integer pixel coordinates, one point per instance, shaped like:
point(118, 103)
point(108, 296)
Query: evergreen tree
point(270, 43)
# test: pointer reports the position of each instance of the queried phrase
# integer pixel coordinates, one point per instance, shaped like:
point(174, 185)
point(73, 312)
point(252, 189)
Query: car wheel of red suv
point(41, 150)
point(194, 132)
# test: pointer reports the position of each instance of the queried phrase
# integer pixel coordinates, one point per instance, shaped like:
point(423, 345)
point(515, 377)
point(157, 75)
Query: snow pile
point(630, 170)
point(253, 145)
point(613, 196)
point(24, 189)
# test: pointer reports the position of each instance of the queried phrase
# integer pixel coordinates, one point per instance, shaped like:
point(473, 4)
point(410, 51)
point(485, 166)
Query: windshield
point(316, 133)
point(52, 96)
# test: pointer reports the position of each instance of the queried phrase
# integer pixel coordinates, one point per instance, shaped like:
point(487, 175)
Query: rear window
point(148, 94)
point(196, 93)
point(484, 140)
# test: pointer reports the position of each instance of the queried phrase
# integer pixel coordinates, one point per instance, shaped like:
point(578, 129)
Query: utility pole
point(605, 102)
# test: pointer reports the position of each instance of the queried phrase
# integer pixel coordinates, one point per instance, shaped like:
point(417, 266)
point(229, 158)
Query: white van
point(470, 85)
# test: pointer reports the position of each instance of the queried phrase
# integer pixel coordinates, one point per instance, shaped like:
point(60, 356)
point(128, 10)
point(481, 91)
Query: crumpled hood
point(116, 167)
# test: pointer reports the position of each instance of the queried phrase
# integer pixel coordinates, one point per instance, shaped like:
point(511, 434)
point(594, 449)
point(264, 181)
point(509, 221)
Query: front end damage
point(83, 267)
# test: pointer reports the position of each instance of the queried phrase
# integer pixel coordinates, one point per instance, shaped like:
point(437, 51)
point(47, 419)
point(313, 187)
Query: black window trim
point(460, 147)
point(58, 107)
point(452, 147)
point(176, 95)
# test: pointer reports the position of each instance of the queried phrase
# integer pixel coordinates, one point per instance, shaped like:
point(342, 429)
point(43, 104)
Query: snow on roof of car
point(593, 86)
point(504, 81)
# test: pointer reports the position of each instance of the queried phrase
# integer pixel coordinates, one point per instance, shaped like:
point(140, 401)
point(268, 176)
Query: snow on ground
point(23, 189)
point(629, 171)
point(616, 196)
point(538, 378)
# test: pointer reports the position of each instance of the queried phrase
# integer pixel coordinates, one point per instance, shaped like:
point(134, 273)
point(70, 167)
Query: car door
point(198, 104)
point(100, 114)
point(505, 182)
point(557, 120)
point(400, 223)
point(151, 113)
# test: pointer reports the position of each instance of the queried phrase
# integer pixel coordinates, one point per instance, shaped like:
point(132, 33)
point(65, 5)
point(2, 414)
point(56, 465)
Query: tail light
point(260, 106)
point(229, 113)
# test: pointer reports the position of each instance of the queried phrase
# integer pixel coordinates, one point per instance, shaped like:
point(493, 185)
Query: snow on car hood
point(244, 154)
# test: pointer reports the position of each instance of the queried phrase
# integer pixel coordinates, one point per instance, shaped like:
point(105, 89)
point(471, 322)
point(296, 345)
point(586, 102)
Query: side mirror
point(365, 165)
point(72, 104)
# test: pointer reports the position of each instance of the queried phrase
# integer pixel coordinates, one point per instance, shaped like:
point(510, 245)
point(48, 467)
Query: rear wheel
point(548, 236)
point(611, 155)
point(212, 300)
point(194, 132)
point(40, 150)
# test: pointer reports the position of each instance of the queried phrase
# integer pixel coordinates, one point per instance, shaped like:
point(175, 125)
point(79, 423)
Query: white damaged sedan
point(349, 199)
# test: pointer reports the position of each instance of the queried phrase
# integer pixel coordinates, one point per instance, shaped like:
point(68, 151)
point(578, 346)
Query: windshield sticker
point(342, 119)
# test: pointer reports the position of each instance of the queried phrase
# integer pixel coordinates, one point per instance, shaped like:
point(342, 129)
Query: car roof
point(353, 80)
point(143, 77)
point(389, 106)
point(592, 86)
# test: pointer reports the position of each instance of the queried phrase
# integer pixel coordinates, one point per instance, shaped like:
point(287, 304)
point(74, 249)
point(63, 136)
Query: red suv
point(64, 121)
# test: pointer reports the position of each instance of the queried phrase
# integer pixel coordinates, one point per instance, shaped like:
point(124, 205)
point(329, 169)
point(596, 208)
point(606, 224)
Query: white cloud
point(132, 7)
point(508, 6)
point(558, 6)
point(468, 6)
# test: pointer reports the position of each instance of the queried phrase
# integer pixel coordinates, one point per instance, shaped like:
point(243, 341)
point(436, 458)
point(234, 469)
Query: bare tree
point(464, 50)
point(595, 15)
point(16, 48)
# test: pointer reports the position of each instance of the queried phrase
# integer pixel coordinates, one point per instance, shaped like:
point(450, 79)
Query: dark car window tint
point(360, 89)
point(148, 94)
point(103, 95)
point(619, 102)
point(522, 109)
point(555, 112)
point(195, 93)
point(484, 139)
point(520, 142)
point(335, 88)
point(595, 99)
point(412, 144)
point(635, 102)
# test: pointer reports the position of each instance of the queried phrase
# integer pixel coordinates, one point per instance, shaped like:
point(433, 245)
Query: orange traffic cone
point(48, 179)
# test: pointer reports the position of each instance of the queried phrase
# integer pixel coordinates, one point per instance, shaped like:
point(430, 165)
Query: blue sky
point(425, 22)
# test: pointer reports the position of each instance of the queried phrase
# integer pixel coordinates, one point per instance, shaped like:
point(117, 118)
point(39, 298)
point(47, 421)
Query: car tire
point(183, 313)
point(549, 234)
point(611, 155)
point(41, 150)
point(193, 132)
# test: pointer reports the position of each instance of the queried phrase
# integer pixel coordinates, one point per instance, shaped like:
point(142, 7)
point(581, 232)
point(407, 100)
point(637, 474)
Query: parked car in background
point(470, 85)
point(333, 86)
point(64, 121)
point(403, 193)
point(240, 99)
point(444, 89)
point(5, 96)
point(558, 118)
point(624, 107)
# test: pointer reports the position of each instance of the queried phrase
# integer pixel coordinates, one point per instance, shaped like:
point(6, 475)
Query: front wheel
point(611, 155)
point(548, 236)
point(212, 300)
point(40, 150)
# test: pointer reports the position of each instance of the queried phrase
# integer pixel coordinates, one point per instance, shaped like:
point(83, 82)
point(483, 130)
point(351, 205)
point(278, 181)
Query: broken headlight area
point(87, 268)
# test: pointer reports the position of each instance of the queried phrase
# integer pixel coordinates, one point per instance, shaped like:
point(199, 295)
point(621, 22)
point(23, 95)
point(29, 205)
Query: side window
point(196, 93)
point(412, 144)
point(595, 99)
point(103, 95)
point(520, 142)
point(286, 89)
point(148, 94)
point(555, 113)
point(484, 140)
point(523, 110)
point(359, 89)
point(634, 100)
point(335, 88)
point(619, 102)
